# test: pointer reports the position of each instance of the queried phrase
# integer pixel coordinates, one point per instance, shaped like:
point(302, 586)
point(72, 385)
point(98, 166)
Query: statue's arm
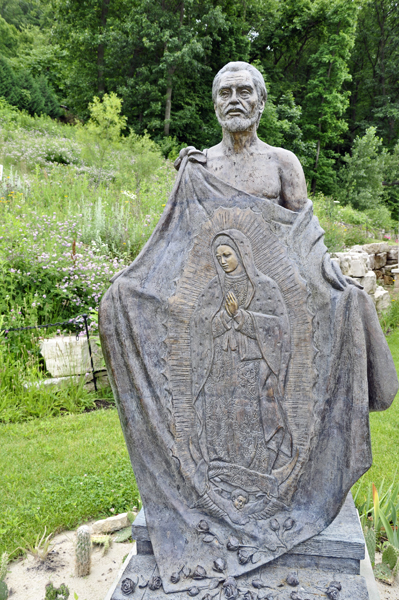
point(293, 184)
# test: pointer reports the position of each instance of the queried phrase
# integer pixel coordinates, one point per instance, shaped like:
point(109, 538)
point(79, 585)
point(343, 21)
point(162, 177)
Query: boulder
point(388, 268)
point(110, 524)
point(392, 255)
point(376, 248)
point(369, 282)
point(382, 299)
point(353, 263)
point(65, 355)
point(380, 260)
point(388, 280)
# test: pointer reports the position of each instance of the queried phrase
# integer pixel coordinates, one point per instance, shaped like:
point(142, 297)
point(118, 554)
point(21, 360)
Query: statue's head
point(239, 96)
point(227, 258)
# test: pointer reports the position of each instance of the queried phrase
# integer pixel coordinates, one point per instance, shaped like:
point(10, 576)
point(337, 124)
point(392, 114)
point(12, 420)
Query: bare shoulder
point(285, 158)
point(215, 151)
point(293, 183)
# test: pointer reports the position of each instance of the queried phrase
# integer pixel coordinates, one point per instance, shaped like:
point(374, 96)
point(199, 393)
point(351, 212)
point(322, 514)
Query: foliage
point(23, 393)
point(4, 565)
point(96, 479)
point(104, 540)
point(22, 90)
point(41, 547)
point(389, 319)
point(53, 593)
point(83, 551)
point(3, 572)
point(362, 176)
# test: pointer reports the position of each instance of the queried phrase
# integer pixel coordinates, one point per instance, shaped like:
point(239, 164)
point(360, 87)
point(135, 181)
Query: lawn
point(60, 472)
point(384, 428)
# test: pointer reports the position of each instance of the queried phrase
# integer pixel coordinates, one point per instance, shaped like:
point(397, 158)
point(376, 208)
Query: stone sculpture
point(243, 362)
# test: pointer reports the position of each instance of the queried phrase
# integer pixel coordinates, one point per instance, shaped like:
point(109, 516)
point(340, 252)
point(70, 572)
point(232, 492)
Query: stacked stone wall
point(371, 265)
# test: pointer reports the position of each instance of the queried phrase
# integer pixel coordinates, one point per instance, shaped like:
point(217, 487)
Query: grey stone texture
point(244, 365)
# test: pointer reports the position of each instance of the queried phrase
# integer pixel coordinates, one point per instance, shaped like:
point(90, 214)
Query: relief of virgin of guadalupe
point(238, 382)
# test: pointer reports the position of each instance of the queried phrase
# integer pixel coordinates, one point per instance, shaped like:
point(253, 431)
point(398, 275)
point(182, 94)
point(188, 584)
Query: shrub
point(360, 180)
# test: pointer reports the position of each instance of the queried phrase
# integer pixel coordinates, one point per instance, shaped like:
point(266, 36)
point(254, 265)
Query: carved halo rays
point(271, 258)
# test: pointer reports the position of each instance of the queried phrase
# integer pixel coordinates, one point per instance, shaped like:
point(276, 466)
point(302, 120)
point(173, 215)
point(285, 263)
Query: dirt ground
point(28, 577)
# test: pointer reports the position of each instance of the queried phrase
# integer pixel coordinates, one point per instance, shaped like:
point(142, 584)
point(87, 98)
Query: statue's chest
point(255, 175)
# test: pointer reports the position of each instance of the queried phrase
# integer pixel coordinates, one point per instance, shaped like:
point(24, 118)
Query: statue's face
point(237, 104)
point(227, 258)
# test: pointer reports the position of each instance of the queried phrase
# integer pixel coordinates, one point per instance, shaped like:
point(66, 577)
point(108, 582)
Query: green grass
point(384, 428)
point(60, 472)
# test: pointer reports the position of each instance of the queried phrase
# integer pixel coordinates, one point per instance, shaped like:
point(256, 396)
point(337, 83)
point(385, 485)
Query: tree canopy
point(330, 67)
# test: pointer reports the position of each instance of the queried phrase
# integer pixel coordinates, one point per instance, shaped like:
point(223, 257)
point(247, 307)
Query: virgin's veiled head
point(241, 246)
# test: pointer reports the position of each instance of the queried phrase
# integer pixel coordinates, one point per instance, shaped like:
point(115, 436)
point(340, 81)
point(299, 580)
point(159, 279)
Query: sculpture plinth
point(243, 363)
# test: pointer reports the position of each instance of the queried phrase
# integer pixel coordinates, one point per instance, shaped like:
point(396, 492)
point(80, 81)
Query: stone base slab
point(312, 584)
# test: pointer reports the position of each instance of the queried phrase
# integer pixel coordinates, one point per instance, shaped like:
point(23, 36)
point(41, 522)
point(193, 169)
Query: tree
point(362, 176)
point(326, 100)
point(375, 87)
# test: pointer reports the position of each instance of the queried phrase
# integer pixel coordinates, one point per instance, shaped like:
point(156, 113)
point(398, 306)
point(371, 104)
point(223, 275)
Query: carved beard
point(238, 123)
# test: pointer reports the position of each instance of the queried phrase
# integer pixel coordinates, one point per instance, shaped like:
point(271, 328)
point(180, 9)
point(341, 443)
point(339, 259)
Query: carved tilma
point(297, 373)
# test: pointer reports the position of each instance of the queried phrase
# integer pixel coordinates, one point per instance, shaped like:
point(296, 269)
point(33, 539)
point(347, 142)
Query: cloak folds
point(334, 368)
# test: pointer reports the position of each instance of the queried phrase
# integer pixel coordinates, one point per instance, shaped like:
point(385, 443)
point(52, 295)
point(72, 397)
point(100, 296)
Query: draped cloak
point(338, 367)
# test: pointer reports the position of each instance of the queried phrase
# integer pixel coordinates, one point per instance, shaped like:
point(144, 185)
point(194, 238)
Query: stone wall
point(370, 265)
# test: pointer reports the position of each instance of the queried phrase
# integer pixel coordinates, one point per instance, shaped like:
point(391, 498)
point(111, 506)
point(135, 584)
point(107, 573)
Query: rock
point(392, 254)
point(110, 524)
point(388, 280)
point(376, 248)
point(380, 260)
point(379, 274)
point(62, 382)
point(372, 261)
point(65, 355)
point(369, 282)
point(388, 268)
point(382, 299)
point(353, 263)
point(358, 267)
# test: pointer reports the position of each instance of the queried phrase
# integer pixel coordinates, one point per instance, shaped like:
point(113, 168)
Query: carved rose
point(193, 591)
point(219, 565)
point(128, 586)
point(250, 595)
point(199, 573)
point(155, 583)
point(292, 579)
point(230, 588)
point(232, 543)
point(203, 526)
point(274, 525)
point(175, 577)
point(336, 584)
point(244, 556)
point(265, 596)
point(288, 524)
point(333, 590)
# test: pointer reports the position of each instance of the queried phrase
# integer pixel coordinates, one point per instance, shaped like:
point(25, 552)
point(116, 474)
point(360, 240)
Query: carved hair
point(256, 75)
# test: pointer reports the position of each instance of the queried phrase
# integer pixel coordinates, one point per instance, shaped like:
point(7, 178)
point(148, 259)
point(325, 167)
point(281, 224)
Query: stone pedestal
point(332, 556)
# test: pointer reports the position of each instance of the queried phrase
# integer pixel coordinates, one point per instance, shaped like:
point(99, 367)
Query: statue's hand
point(193, 154)
point(231, 304)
